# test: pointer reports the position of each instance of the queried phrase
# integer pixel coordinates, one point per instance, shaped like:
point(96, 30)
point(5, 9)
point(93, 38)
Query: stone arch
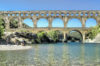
point(76, 37)
point(74, 22)
point(91, 22)
point(28, 23)
point(42, 22)
point(57, 22)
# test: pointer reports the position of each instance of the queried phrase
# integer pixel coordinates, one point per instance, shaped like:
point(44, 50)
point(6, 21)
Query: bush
point(92, 33)
point(14, 23)
point(53, 35)
point(1, 28)
point(41, 36)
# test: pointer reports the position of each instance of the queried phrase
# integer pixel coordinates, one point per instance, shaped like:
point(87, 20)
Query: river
point(58, 54)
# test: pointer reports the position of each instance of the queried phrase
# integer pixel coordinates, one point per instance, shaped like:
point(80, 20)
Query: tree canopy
point(93, 32)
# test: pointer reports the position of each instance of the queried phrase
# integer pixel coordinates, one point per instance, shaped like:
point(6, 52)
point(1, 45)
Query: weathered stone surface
point(66, 15)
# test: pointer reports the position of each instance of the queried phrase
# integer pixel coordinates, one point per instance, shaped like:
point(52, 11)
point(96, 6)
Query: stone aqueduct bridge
point(50, 15)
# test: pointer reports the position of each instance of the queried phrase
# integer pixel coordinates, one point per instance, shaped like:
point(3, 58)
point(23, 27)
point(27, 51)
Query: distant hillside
point(25, 26)
point(75, 35)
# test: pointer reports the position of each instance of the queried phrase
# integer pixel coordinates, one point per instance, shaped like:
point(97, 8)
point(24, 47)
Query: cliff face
point(95, 40)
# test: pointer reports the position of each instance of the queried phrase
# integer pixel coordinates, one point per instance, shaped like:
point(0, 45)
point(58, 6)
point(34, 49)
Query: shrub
point(14, 23)
point(41, 36)
point(1, 28)
point(93, 32)
point(53, 35)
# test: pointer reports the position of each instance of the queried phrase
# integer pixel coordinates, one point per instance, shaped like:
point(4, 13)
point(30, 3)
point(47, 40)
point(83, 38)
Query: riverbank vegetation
point(52, 36)
point(2, 26)
point(42, 36)
point(93, 32)
point(27, 37)
point(38, 38)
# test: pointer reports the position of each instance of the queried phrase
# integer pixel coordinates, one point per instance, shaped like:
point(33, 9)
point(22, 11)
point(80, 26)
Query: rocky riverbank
point(95, 40)
point(14, 47)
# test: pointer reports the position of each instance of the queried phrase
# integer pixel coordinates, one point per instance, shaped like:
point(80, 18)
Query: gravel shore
point(14, 47)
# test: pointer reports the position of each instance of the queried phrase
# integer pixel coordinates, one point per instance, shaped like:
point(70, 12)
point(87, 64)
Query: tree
point(1, 27)
point(14, 24)
point(53, 35)
point(41, 36)
point(93, 32)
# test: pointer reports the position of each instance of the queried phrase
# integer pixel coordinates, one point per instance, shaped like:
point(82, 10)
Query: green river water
point(59, 54)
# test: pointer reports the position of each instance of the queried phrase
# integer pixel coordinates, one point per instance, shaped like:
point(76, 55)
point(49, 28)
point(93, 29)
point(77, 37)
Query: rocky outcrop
point(19, 38)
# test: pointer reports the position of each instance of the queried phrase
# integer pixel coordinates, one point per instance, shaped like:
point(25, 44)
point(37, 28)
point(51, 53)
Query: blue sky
point(57, 22)
point(23, 5)
point(49, 4)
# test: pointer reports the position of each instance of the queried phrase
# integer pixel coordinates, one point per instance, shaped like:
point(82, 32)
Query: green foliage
point(14, 23)
point(1, 27)
point(41, 35)
point(95, 30)
point(53, 35)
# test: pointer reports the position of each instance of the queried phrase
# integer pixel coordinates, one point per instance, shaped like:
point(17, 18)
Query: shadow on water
point(59, 54)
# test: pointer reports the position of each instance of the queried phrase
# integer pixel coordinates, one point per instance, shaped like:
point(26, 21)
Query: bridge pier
point(83, 21)
point(34, 22)
point(83, 38)
point(50, 22)
point(64, 37)
point(20, 25)
point(7, 23)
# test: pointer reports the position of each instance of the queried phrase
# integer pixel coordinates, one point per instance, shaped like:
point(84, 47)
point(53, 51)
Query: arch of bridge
point(79, 31)
point(79, 18)
point(69, 18)
point(50, 15)
point(95, 18)
point(63, 18)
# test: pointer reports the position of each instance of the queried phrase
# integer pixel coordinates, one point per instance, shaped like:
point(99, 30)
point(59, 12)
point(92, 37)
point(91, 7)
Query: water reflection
point(60, 54)
point(97, 54)
point(82, 59)
point(65, 56)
